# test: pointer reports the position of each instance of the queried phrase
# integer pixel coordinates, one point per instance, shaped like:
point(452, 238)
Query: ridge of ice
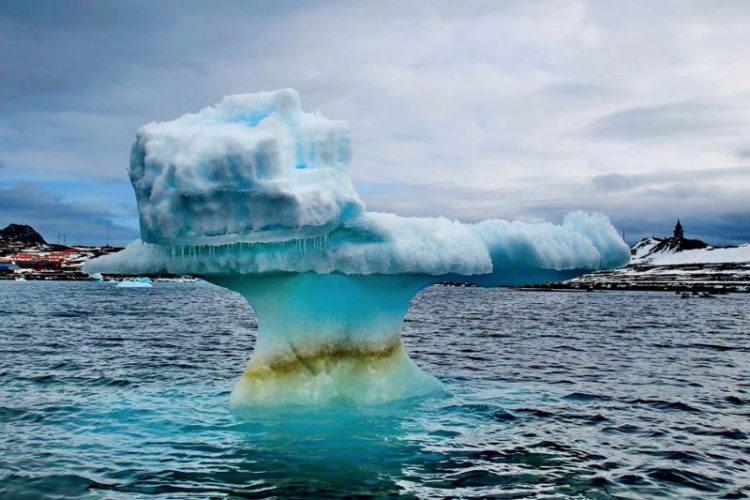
point(378, 243)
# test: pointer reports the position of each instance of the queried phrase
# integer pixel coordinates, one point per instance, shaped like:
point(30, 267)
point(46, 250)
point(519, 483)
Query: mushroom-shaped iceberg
point(252, 194)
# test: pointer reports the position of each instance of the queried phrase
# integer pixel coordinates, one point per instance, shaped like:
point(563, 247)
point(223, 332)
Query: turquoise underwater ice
point(253, 194)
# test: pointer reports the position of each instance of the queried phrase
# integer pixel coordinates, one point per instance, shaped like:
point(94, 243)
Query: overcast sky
point(639, 110)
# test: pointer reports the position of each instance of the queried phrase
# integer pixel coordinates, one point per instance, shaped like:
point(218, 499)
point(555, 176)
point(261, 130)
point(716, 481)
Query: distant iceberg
point(135, 283)
point(253, 194)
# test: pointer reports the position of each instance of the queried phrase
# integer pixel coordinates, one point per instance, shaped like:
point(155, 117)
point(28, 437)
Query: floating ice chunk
point(133, 283)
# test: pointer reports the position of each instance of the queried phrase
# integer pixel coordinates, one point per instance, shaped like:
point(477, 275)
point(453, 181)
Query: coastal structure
point(673, 263)
point(23, 251)
point(678, 233)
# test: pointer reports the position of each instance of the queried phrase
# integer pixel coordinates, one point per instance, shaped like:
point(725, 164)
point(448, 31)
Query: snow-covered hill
point(674, 264)
point(729, 255)
point(674, 251)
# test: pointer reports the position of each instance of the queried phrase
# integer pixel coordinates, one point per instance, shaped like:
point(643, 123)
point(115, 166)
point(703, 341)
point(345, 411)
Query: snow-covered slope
point(643, 249)
point(673, 251)
point(675, 264)
point(705, 256)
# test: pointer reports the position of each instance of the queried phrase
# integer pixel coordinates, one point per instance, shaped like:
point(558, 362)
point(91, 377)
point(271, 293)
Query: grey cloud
point(49, 214)
point(648, 203)
point(471, 112)
point(615, 182)
point(733, 226)
point(578, 90)
point(623, 182)
point(657, 122)
point(715, 227)
point(714, 215)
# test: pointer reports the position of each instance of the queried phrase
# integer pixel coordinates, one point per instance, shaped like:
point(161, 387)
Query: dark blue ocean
point(122, 393)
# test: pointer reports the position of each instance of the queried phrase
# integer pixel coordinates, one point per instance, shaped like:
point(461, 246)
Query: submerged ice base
point(328, 337)
point(253, 195)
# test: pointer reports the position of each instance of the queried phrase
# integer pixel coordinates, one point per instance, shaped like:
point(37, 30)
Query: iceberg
point(253, 195)
point(135, 283)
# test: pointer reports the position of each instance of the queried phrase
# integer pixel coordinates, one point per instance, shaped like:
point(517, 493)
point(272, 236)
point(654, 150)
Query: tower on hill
point(678, 232)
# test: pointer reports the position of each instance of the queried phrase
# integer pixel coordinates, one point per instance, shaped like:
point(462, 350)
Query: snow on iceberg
point(252, 168)
point(252, 194)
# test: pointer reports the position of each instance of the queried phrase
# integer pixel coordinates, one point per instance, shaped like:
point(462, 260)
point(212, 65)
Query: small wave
point(563, 347)
point(40, 379)
point(46, 486)
point(536, 412)
point(701, 345)
point(8, 413)
point(717, 347)
point(503, 416)
point(111, 382)
point(684, 456)
point(69, 314)
point(476, 478)
point(443, 433)
point(49, 379)
point(633, 479)
point(666, 405)
point(596, 418)
point(493, 412)
point(735, 400)
point(622, 429)
point(585, 396)
point(733, 434)
point(686, 478)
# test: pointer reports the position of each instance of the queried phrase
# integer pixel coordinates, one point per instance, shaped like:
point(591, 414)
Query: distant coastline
point(24, 253)
point(673, 263)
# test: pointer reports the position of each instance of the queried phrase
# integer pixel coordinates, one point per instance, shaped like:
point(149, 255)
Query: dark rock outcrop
point(21, 233)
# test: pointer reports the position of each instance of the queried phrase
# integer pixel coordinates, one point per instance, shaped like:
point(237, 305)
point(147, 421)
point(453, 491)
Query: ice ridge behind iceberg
point(252, 194)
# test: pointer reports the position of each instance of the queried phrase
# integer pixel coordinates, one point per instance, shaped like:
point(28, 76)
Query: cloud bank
point(513, 110)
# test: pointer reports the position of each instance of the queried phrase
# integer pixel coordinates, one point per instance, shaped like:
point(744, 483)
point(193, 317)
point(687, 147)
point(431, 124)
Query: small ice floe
point(135, 283)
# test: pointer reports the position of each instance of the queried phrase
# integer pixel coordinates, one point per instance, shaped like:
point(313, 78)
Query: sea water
point(123, 393)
